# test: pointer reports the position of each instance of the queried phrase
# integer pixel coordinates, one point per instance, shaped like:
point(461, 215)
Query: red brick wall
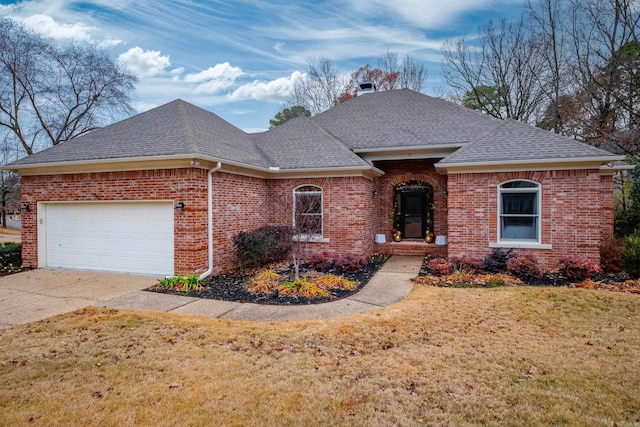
point(576, 207)
point(187, 185)
point(348, 215)
point(239, 204)
point(397, 172)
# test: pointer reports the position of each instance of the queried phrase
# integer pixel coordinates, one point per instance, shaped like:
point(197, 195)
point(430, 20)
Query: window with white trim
point(307, 212)
point(519, 208)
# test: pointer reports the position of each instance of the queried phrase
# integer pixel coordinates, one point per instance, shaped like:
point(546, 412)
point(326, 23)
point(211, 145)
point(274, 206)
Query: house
point(165, 192)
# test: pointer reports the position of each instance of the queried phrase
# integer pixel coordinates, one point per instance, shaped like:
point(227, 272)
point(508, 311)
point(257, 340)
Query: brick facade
point(187, 185)
point(577, 206)
point(398, 172)
point(240, 203)
point(348, 214)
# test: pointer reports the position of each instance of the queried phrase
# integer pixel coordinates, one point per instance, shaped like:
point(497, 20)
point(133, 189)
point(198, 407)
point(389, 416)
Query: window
point(519, 211)
point(307, 215)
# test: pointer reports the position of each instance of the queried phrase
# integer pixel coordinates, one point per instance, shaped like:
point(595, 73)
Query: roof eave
point(531, 164)
point(185, 161)
point(407, 152)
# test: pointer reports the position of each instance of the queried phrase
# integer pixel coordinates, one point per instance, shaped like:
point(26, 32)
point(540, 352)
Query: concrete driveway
point(35, 295)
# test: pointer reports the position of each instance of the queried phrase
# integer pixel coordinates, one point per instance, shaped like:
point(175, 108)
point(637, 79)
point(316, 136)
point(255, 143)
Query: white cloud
point(145, 63)
point(47, 26)
point(270, 91)
point(109, 42)
point(215, 79)
point(423, 13)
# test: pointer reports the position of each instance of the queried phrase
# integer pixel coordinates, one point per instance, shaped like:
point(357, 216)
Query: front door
point(413, 221)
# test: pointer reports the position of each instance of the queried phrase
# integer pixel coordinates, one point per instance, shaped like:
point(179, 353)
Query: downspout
point(210, 219)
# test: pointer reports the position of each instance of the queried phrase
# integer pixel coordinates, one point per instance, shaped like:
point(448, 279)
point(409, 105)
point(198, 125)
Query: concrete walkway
point(35, 295)
point(38, 294)
point(389, 285)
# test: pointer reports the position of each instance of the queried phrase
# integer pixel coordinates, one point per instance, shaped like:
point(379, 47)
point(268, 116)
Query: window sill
point(519, 245)
point(312, 239)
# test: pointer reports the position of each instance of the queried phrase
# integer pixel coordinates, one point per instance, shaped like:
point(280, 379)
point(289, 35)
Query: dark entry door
point(414, 214)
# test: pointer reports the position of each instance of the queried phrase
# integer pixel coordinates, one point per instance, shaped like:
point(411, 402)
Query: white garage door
point(108, 236)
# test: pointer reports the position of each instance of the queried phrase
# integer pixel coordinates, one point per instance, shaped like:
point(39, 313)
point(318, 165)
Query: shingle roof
point(176, 128)
point(302, 144)
point(517, 141)
point(383, 120)
point(403, 118)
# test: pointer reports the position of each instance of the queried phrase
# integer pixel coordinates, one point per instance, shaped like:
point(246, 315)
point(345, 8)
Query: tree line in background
point(569, 66)
point(324, 86)
point(52, 93)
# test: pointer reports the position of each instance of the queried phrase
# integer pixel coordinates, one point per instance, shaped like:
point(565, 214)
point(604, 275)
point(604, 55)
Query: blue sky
point(239, 58)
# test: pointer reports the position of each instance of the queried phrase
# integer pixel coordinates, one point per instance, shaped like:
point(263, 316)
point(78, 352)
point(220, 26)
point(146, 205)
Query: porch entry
point(413, 206)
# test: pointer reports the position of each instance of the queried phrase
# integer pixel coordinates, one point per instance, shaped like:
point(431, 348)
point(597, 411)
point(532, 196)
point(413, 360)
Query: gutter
point(210, 219)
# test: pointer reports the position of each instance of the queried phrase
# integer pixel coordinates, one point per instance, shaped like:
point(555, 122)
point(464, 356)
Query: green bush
point(630, 254)
point(181, 283)
point(263, 245)
point(625, 222)
point(10, 255)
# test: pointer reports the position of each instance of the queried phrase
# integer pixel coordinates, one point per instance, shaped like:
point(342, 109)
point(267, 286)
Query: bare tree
point(307, 222)
point(550, 20)
point(507, 60)
point(50, 94)
point(412, 74)
point(388, 64)
point(607, 58)
point(319, 89)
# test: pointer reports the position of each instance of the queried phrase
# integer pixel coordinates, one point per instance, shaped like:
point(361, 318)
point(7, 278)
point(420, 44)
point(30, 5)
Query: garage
point(124, 237)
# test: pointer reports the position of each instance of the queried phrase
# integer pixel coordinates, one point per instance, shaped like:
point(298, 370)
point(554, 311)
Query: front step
point(412, 247)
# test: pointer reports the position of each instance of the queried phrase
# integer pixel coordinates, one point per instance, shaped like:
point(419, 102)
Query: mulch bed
point(617, 282)
point(231, 287)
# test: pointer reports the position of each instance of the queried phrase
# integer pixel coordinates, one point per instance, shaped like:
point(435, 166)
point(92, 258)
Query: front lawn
point(492, 356)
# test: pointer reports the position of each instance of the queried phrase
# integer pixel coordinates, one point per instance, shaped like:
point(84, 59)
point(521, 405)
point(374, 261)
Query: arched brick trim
point(536, 176)
point(429, 179)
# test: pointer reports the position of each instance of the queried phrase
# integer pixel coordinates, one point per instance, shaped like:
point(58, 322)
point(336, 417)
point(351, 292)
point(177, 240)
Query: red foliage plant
point(439, 266)
point(322, 260)
point(577, 267)
point(471, 265)
point(350, 263)
point(523, 266)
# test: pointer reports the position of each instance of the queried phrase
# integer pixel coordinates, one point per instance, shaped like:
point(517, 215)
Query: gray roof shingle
point(383, 120)
point(176, 128)
point(403, 118)
point(302, 144)
point(517, 141)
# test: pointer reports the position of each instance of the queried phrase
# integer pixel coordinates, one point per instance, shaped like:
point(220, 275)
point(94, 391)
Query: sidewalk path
point(389, 285)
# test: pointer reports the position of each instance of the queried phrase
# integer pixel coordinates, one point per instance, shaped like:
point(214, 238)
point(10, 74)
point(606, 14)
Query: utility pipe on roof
point(210, 219)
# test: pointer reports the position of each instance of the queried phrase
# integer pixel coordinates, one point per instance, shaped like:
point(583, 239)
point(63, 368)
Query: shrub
point(264, 245)
point(626, 222)
point(461, 277)
point(10, 255)
point(496, 261)
point(330, 281)
point(523, 266)
point(182, 283)
point(264, 282)
point(439, 266)
point(465, 263)
point(577, 267)
point(301, 288)
point(610, 254)
point(630, 254)
point(322, 261)
point(350, 263)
